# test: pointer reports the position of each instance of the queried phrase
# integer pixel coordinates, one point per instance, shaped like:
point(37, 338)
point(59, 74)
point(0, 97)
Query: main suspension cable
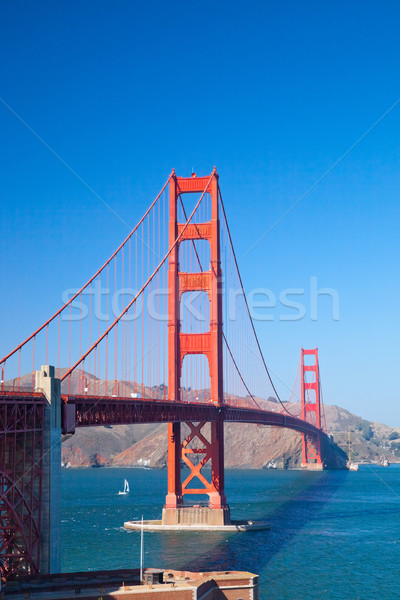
point(223, 335)
point(248, 310)
point(144, 286)
point(56, 314)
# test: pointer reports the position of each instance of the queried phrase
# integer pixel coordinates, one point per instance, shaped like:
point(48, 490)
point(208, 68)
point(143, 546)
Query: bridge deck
point(89, 411)
point(93, 410)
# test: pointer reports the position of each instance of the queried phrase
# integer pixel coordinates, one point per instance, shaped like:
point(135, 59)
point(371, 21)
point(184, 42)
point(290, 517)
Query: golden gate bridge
point(161, 333)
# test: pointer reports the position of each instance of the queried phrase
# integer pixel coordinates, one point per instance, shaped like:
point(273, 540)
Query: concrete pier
point(46, 382)
point(231, 527)
point(196, 515)
point(312, 466)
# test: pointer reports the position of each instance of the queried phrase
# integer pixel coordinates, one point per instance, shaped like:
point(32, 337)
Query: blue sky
point(272, 93)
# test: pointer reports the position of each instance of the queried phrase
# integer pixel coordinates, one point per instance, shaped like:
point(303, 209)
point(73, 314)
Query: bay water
point(334, 535)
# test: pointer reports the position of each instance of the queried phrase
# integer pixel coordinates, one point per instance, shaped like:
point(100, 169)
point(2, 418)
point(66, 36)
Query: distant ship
point(350, 465)
point(125, 490)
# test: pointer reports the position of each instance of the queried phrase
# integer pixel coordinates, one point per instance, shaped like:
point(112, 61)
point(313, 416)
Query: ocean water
point(334, 535)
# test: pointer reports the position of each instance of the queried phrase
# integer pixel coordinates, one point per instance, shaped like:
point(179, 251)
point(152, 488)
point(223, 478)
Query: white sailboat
point(125, 490)
point(350, 465)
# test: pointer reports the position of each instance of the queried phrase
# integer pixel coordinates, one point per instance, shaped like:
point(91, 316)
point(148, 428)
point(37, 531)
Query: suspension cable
point(223, 335)
point(248, 310)
point(3, 360)
point(295, 381)
point(321, 397)
point(142, 288)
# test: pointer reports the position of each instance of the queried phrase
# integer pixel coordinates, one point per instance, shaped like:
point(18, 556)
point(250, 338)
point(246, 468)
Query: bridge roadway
point(89, 411)
point(85, 411)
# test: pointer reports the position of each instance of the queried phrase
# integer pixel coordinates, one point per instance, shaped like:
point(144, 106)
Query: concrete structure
point(196, 515)
point(46, 383)
point(125, 585)
point(233, 526)
point(312, 466)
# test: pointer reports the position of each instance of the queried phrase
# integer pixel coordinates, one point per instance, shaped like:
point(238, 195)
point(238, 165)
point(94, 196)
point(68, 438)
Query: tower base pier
point(312, 466)
point(233, 526)
point(196, 515)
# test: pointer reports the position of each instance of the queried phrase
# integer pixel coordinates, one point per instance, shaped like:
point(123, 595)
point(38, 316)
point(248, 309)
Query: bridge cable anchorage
point(248, 310)
point(139, 293)
point(223, 334)
point(69, 302)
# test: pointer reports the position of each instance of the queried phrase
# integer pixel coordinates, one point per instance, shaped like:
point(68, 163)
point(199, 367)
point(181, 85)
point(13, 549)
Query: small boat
point(125, 490)
point(350, 464)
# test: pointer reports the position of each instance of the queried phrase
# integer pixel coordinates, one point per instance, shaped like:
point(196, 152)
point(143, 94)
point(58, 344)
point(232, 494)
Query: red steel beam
point(92, 410)
point(21, 453)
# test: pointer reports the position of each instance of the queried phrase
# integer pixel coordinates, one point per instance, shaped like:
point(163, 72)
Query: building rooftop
point(125, 584)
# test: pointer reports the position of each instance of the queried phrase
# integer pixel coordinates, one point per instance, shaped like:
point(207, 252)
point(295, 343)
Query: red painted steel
point(92, 411)
point(311, 405)
point(208, 344)
point(21, 451)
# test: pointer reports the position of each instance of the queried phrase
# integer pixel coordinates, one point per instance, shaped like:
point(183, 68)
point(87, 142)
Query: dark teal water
point(334, 535)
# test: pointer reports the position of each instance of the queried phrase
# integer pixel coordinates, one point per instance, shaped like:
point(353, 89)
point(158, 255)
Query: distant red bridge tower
point(311, 404)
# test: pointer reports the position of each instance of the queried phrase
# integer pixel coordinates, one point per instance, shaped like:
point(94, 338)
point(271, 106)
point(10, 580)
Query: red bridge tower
point(311, 403)
point(208, 344)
